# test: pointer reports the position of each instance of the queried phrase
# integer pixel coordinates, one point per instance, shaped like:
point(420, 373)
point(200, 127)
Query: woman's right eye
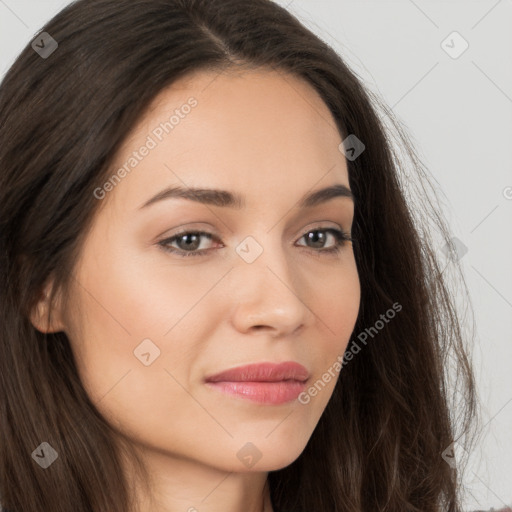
point(192, 243)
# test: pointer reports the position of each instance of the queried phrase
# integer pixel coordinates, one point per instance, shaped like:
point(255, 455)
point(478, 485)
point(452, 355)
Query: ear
point(39, 314)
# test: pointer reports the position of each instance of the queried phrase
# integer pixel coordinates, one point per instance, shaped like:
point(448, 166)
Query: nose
point(268, 293)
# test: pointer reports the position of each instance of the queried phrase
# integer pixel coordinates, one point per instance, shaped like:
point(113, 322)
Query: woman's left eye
point(190, 241)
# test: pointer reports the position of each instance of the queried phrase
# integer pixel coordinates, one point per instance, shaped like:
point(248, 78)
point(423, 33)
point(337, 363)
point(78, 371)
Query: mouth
point(264, 383)
point(275, 393)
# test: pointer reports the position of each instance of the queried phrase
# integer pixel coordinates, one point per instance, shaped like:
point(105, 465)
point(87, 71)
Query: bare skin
point(269, 137)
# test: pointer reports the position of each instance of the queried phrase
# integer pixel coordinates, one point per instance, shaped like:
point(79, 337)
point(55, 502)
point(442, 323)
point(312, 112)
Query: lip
point(262, 372)
point(265, 383)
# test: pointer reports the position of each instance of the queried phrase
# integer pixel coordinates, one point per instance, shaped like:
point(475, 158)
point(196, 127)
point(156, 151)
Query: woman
point(299, 362)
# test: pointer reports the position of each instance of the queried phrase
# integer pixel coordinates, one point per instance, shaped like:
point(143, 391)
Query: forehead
point(255, 131)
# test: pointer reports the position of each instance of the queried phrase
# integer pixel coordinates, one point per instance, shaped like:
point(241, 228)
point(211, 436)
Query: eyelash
point(341, 238)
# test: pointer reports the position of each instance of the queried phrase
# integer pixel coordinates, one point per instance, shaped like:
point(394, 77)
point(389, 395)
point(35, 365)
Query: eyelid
point(319, 224)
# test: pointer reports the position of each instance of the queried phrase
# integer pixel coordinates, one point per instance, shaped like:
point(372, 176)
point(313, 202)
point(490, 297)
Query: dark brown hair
point(380, 441)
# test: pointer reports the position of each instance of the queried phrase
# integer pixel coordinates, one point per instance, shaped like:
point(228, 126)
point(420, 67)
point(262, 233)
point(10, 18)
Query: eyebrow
point(224, 198)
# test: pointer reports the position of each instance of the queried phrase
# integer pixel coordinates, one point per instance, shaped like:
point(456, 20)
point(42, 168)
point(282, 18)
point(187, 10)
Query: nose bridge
point(263, 255)
point(268, 291)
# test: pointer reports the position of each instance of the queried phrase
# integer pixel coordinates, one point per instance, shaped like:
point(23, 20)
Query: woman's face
point(148, 326)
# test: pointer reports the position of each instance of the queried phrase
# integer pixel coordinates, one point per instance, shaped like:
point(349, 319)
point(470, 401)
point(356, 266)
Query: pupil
point(316, 236)
point(189, 242)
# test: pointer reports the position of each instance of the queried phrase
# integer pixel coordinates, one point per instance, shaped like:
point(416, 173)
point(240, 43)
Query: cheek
point(113, 312)
point(337, 306)
point(130, 298)
point(138, 324)
point(336, 309)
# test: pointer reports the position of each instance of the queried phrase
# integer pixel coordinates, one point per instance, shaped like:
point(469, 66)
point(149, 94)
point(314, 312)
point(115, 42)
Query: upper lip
point(262, 372)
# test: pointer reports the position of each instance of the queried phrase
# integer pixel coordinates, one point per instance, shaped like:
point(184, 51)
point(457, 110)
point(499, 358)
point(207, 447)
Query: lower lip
point(262, 392)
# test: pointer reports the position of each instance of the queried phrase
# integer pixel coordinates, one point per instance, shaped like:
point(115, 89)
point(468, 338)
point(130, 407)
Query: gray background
point(458, 112)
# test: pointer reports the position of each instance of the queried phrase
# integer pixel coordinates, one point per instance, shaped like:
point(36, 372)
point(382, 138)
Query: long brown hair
point(380, 443)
